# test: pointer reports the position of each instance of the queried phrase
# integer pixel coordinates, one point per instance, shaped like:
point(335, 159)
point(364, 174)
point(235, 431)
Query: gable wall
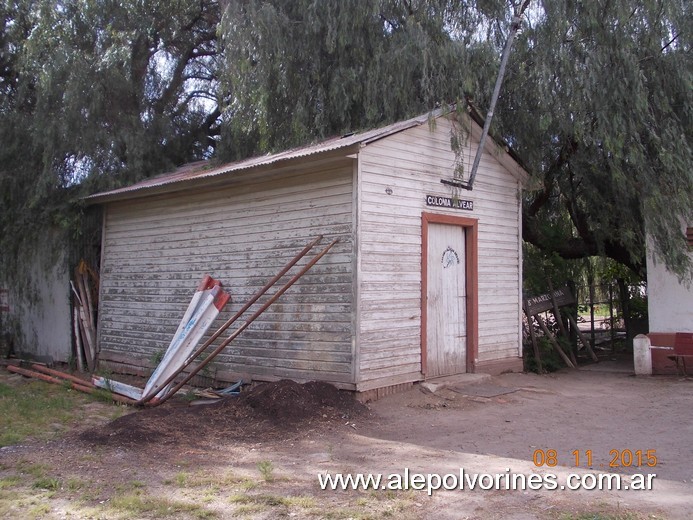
point(412, 164)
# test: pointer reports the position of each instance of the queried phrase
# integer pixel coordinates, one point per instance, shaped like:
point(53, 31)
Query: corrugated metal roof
point(204, 169)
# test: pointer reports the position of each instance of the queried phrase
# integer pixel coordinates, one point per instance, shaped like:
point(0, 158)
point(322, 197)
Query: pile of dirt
point(290, 401)
point(268, 411)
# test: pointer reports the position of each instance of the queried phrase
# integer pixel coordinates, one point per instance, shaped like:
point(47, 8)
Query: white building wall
point(670, 302)
point(40, 314)
point(411, 164)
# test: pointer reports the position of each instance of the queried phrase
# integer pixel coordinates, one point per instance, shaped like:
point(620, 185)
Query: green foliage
point(266, 469)
point(48, 483)
point(43, 410)
point(638, 307)
point(302, 70)
point(95, 94)
point(32, 408)
point(157, 357)
point(550, 359)
point(540, 266)
point(598, 101)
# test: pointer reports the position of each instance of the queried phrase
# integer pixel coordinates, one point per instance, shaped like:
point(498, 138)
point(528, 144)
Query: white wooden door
point(446, 311)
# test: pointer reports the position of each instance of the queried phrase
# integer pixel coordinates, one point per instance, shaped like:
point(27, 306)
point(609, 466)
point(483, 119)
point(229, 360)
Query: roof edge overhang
point(204, 174)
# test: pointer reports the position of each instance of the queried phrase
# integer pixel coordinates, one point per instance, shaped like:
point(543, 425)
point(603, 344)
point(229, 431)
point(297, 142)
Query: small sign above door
point(447, 202)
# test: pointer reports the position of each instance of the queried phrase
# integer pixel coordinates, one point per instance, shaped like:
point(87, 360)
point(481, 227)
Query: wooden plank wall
point(411, 164)
point(156, 250)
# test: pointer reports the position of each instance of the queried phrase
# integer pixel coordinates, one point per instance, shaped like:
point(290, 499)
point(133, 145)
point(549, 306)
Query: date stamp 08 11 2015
point(585, 458)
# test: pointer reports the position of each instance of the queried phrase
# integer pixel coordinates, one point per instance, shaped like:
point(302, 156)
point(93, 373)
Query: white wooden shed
point(424, 282)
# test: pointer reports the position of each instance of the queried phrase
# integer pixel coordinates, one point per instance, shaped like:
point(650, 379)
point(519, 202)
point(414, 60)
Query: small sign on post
point(543, 302)
point(552, 301)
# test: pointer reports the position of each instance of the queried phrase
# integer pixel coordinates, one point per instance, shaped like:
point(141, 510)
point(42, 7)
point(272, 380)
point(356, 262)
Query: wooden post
point(624, 297)
point(611, 316)
point(572, 312)
point(87, 342)
point(592, 310)
point(559, 320)
point(554, 342)
point(79, 355)
point(582, 337)
point(535, 347)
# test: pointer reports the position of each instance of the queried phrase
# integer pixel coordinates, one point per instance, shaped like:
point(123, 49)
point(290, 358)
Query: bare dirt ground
point(258, 455)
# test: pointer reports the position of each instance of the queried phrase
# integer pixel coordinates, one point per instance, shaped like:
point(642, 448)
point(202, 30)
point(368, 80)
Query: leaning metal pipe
point(75, 386)
point(515, 25)
point(245, 325)
point(61, 375)
point(238, 314)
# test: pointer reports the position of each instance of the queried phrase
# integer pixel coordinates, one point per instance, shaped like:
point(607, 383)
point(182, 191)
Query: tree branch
point(571, 248)
point(670, 42)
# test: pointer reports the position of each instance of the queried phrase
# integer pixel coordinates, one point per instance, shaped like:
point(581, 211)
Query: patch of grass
point(373, 505)
point(181, 478)
point(247, 510)
point(10, 482)
point(251, 504)
point(623, 515)
point(212, 482)
point(304, 502)
point(33, 469)
point(8, 501)
point(74, 484)
point(157, 357)
point(189, 396)
point(39, 511)
point(248, 484)
point(90, 457)
point(256, 503)
point(266, 469)
point(348, 514)
point(47, 483)
point(103, 395)
point(118, 411)
point(22, 503)
point(205, 480)
point(92, 493)
point(34, 409)
point(263, 500)
point(138, 504)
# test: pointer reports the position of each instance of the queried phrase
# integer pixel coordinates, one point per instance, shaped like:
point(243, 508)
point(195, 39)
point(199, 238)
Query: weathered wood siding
point(411, 164)
point(156, 249)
